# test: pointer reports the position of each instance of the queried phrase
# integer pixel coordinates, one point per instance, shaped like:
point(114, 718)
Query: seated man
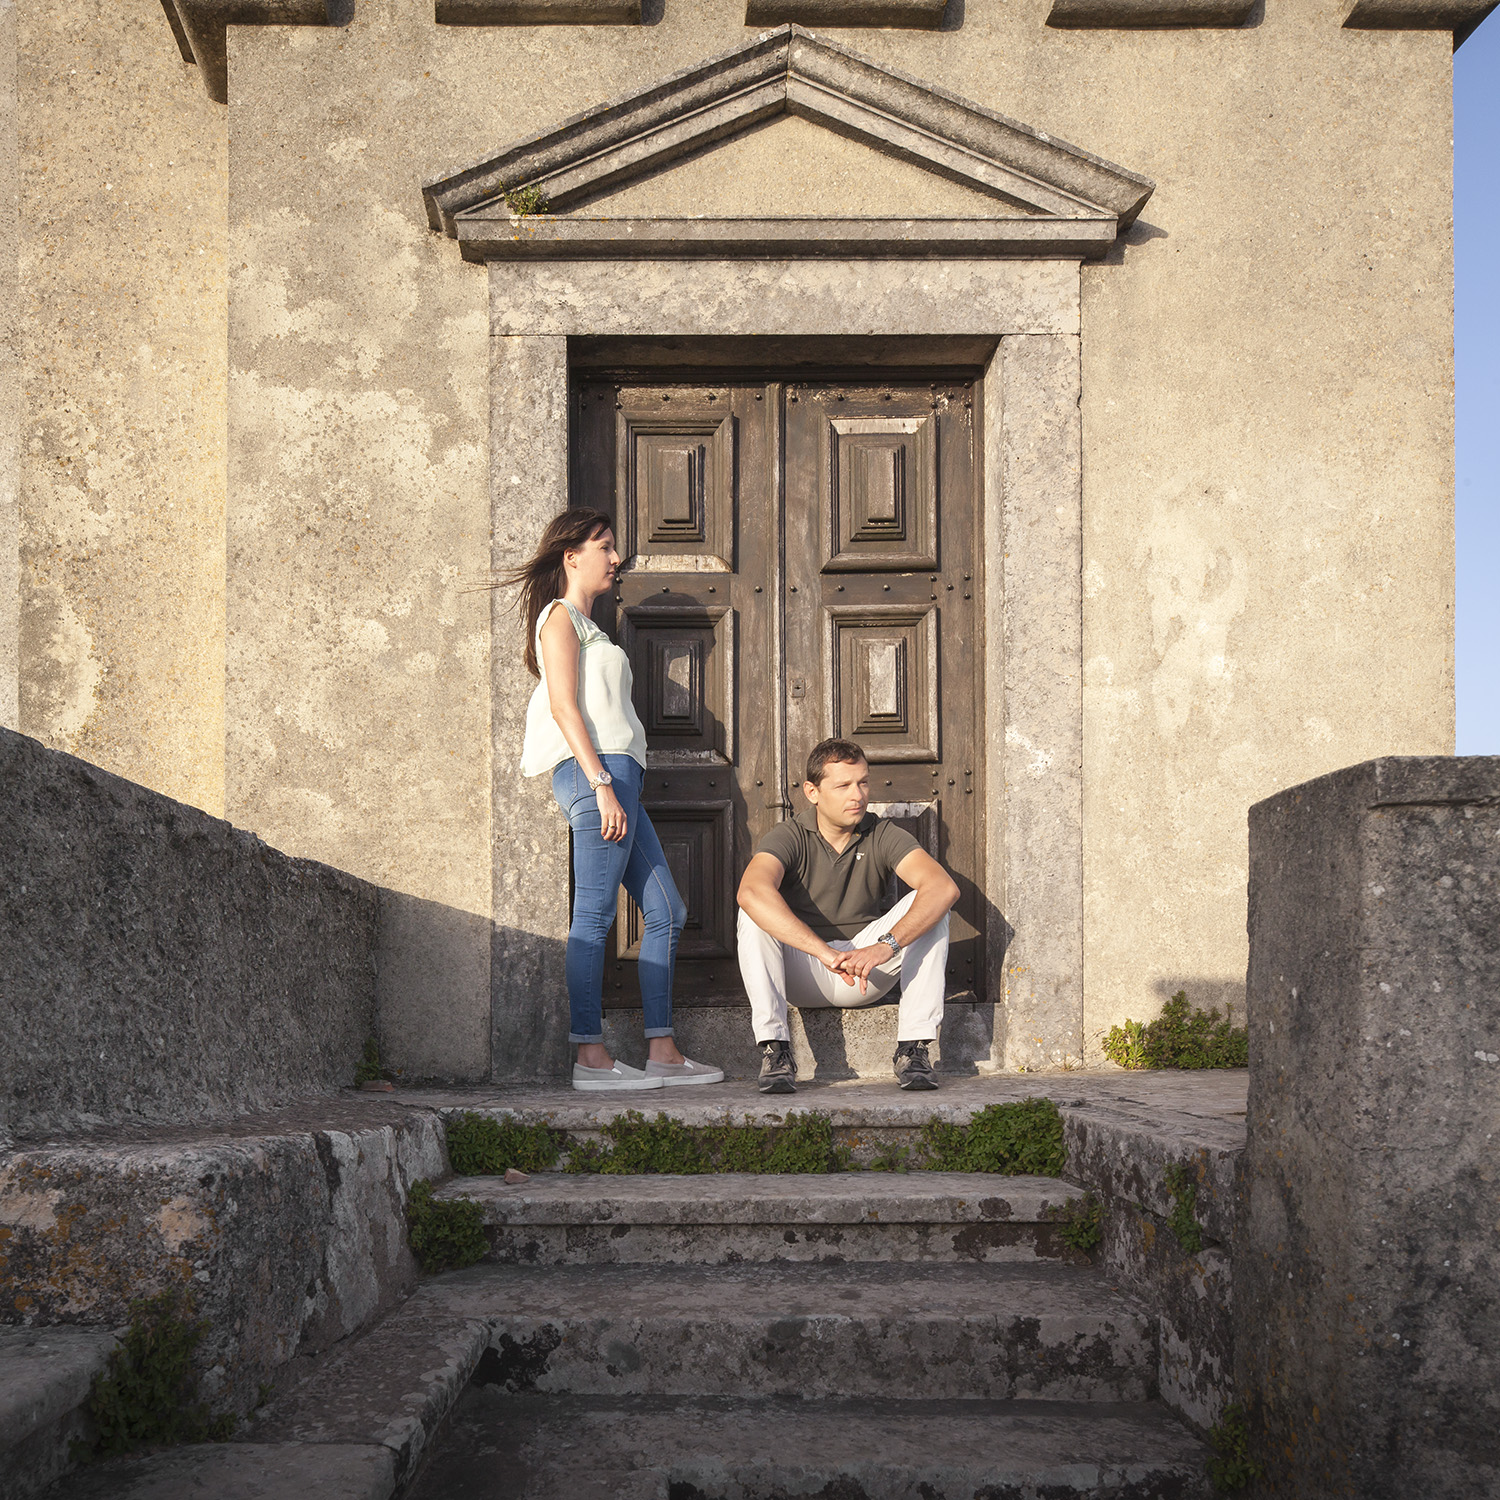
point(814, 925)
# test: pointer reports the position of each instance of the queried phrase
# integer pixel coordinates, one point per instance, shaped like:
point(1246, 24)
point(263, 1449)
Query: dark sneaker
point(913, 1066)
point(777, 1070)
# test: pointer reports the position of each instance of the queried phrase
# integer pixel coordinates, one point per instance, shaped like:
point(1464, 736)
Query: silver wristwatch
point(890, 937)
point(602, 779)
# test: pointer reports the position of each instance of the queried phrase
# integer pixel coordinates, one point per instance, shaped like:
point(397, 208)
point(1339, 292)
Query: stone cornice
point(498, 235)
point(199, 27)
point(1137, 15)
point(1050, 198)
point(920, 14)
point(538, 12)
point(1458, 16)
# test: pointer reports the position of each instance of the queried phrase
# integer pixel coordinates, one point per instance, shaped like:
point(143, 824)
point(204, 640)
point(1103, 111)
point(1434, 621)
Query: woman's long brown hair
point(541, 578)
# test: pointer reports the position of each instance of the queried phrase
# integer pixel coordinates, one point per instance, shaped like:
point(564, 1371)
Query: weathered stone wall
point(1367, 1277)
point(1270, 348)
point(157, 964)
point(121, 298)
point(1266, 435)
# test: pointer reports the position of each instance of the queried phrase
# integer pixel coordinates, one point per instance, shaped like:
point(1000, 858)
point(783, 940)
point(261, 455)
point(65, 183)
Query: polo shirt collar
point(808, 818)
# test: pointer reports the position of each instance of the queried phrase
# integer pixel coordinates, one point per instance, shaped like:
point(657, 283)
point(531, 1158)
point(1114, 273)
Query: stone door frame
point(1031, 503)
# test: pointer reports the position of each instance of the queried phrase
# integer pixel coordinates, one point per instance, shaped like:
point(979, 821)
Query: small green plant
point(480, 1145)
point(445, 1234)
point(1023, 1137)
point(890, 1159)
point(368, 1069)
point(148, 1392)
point(1080, 1221)
point(526, 200)
point(1183, 1220)
point(1179, 1038)
point(1231, 1468)
point(636, 1145)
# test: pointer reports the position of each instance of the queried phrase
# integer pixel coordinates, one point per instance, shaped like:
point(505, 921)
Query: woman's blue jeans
point(600, 868)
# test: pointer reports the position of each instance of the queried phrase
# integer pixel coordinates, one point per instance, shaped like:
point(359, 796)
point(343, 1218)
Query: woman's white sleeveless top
point(604, 685)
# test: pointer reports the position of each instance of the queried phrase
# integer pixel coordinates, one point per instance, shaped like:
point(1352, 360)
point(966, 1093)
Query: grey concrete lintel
point(1460, 17)
point(500, 236)
point(790, 71)
point(1146, 15)
point(200, 27)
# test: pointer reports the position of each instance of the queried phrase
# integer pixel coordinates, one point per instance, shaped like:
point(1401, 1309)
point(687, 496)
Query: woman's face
point(594, 564)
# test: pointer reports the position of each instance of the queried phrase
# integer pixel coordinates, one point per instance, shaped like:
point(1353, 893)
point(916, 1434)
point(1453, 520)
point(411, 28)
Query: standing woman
point(582, 727)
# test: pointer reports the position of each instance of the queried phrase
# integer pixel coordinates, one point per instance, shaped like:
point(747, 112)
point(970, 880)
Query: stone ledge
point(290, 1240)
point(538, 12)
point(920, 14)
point(45, 1379)
point(1144, 15)
point(1458, 16)
point(200, 27)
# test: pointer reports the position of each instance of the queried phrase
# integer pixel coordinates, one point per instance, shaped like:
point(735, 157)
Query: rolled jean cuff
point(598, 1036)
point(654, 1031)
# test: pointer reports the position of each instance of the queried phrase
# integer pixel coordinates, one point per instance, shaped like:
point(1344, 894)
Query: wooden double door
point(800, 561)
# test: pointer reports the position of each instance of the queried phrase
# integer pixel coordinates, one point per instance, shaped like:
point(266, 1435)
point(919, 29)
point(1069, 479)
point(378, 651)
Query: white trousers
point(775, 975)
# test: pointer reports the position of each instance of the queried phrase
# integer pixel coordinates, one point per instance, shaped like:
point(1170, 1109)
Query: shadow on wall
point(432, 989)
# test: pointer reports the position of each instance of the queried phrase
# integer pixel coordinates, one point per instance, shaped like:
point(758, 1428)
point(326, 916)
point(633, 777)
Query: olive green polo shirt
point(836, 894)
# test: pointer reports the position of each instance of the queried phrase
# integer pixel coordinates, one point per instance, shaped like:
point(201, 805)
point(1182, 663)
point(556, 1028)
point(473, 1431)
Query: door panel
point(799, 563)
point(882, 618)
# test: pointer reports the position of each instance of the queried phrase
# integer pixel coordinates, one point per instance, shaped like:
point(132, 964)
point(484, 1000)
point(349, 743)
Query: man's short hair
point(833, 753)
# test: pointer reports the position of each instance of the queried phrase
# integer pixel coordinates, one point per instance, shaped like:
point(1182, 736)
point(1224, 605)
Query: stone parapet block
point(1140, 15)
point(289, 1232)
point(157, 964)
point(1367, 1274)
point(922, 14)
point(1458, 16)
point(538, 12)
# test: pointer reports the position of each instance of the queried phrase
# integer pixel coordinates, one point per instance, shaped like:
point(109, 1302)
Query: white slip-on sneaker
point(687, 1071)
point(621, 1076)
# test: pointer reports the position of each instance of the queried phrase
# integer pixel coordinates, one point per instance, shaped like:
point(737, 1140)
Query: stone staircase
point(923, 1335)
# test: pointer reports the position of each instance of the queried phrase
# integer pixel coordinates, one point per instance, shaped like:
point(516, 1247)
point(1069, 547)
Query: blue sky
point(1476, 233)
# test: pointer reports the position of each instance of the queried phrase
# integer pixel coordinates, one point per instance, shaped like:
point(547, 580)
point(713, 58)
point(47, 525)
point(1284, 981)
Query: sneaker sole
point(779, 1086)
point(669, 1083)
point(601, 1086)
point(918, 1085)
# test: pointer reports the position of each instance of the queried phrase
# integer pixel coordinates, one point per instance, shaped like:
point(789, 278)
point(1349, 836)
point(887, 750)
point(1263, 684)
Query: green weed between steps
point(1080, 1222)
point(1179, 1038)
point(481, 1145)
point(368, 1068)
point(635, 1145)
point(1231, 1468)
point(147, 1395)
point(1024, 1136)
point(1183, 1220)
point(445, 1234)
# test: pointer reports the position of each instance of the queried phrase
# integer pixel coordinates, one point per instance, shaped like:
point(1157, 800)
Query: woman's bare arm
point(560, 653)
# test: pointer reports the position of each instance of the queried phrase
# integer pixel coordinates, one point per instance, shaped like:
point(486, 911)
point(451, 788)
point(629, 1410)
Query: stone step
point(506, 1447)
point(1028, 1331)
point(729, 1218)
point(45, 1378)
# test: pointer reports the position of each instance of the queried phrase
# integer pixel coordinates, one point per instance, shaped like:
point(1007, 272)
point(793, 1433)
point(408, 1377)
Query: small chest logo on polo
point(859, 856)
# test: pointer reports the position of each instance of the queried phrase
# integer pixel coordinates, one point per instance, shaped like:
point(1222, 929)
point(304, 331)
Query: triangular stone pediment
point(997, 187)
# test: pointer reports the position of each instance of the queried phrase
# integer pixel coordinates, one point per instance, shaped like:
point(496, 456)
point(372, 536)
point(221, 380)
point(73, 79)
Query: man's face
point(843, 795)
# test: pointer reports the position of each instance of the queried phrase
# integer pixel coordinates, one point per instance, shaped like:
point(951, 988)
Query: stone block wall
point(1367, 1263)
point(158, 965)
